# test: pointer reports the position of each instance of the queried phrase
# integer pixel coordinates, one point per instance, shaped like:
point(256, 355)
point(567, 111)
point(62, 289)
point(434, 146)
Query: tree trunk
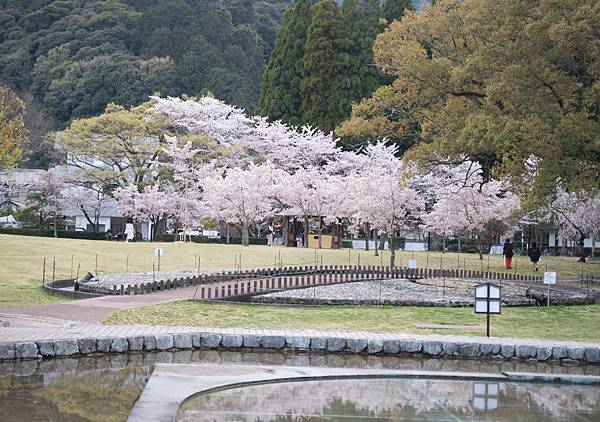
point(285, 232)
point(392, 249)
point(366, 229)
point(593, 246)
point(54, 219)
point(479, 248)
point(376, 243)
point(245, 235)
point(320, 232)
point(563, 248)
point(306, 231)
point(581, 248)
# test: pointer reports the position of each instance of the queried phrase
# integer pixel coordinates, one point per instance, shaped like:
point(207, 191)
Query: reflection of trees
point(96, 395)
point(313, 401)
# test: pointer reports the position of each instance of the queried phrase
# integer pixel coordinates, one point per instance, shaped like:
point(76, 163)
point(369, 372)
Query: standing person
point(129, 232)
point(270, 235)
point(534, 254)
point(508, 253)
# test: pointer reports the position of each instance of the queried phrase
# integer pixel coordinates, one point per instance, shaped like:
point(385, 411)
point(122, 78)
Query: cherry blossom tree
point(388, 203)
point(208, 116)
point(91, 202)
point(242, 197)
point(291, 148)
point(577, 216)
point(302, 190)
point(152, 204)
point(249, 137)
point(47, 197)
point(465, 201)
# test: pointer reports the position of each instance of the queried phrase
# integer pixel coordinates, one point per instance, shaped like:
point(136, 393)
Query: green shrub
point(87, 235)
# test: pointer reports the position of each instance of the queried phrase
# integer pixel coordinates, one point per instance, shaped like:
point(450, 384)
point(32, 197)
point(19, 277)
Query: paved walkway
point(93, 310)
point(75, 330)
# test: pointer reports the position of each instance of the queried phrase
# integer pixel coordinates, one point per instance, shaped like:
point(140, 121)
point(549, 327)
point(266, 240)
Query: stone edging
point(349, 345)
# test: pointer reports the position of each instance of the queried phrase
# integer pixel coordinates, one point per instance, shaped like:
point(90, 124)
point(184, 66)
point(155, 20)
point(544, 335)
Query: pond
point(105, 388)
point(395, 399)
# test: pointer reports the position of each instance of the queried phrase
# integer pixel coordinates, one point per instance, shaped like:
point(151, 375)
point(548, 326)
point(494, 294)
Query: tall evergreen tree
point(394, 9)
point(321, 90)
point(281, 97)
point(361, 76)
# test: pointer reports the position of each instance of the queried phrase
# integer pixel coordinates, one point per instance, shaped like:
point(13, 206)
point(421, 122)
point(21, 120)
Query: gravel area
point(108, 280)
point(428, 292)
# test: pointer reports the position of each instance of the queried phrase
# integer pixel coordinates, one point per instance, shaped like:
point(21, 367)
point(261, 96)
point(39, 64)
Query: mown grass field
point(21, 261)
point(558, 322)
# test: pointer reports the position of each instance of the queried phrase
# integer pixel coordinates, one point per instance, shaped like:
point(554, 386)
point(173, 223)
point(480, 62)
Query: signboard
point(549, 278)
point(412, 263)
point(159, 252)
point(485, 396)
point(487, 301)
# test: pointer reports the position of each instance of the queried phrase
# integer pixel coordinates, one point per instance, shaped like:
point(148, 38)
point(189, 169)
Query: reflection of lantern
point(485, 396)
point(487, 301)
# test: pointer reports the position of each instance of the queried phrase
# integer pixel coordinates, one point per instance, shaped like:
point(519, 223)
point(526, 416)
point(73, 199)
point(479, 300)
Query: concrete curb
point(354, 344)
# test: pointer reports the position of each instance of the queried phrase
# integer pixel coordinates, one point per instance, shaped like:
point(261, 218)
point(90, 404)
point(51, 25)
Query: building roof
point(109, 210)
point(22, 177)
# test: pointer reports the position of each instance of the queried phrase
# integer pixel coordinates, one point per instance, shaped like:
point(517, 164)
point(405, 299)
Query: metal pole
point(359, 258)
point(71, 265)
point(488, 310)
point(96, 263)
point(380, 281)
point(44, 273)
point(153, 269)
point(198, 264)
point(548, 296)
point(444, 289)
point(349, 262)
point(127, 264)
point(53, 268)
point(427, 262)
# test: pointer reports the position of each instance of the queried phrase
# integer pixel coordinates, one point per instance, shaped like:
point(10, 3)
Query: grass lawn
point(557, 322)
point(21, 261)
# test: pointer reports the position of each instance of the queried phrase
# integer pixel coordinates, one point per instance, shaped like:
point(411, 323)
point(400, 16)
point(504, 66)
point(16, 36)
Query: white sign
point(549, 278)
point(487, 299)
point(159, 252)
point(412, 263)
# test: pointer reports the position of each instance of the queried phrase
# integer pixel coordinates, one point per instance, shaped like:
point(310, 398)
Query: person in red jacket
point(508, 253)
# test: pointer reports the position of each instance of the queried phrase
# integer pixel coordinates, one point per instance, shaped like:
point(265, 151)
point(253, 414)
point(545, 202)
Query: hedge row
point(87, 235)
point(205, 239)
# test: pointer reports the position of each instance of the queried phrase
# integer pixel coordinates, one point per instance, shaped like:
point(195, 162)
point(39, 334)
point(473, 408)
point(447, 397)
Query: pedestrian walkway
point(95, 310)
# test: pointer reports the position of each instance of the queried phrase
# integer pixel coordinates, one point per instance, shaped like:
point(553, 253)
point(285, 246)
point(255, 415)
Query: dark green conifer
point(394, 9)
point(281, 99)
point(321, 89)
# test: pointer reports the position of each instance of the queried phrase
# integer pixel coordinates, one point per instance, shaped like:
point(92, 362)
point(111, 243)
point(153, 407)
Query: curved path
point(93, 310)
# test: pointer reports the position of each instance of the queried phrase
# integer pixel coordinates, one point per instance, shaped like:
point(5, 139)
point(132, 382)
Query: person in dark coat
point(508, 253)
point(534, 254)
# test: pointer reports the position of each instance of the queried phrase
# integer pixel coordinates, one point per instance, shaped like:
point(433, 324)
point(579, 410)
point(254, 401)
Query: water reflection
point(395, 399)
point(105, 388)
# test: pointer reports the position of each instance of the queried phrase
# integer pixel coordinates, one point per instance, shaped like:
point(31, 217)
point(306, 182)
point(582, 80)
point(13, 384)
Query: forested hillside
point(75, 56)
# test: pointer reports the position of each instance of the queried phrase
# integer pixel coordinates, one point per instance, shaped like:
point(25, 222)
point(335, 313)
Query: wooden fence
point(246, 282)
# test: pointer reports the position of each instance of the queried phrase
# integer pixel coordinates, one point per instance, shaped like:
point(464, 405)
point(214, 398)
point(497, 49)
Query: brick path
point(95, 310)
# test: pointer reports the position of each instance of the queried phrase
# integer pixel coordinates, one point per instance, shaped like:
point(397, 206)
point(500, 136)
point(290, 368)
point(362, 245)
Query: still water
point(395, 400)
point(105, 388)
